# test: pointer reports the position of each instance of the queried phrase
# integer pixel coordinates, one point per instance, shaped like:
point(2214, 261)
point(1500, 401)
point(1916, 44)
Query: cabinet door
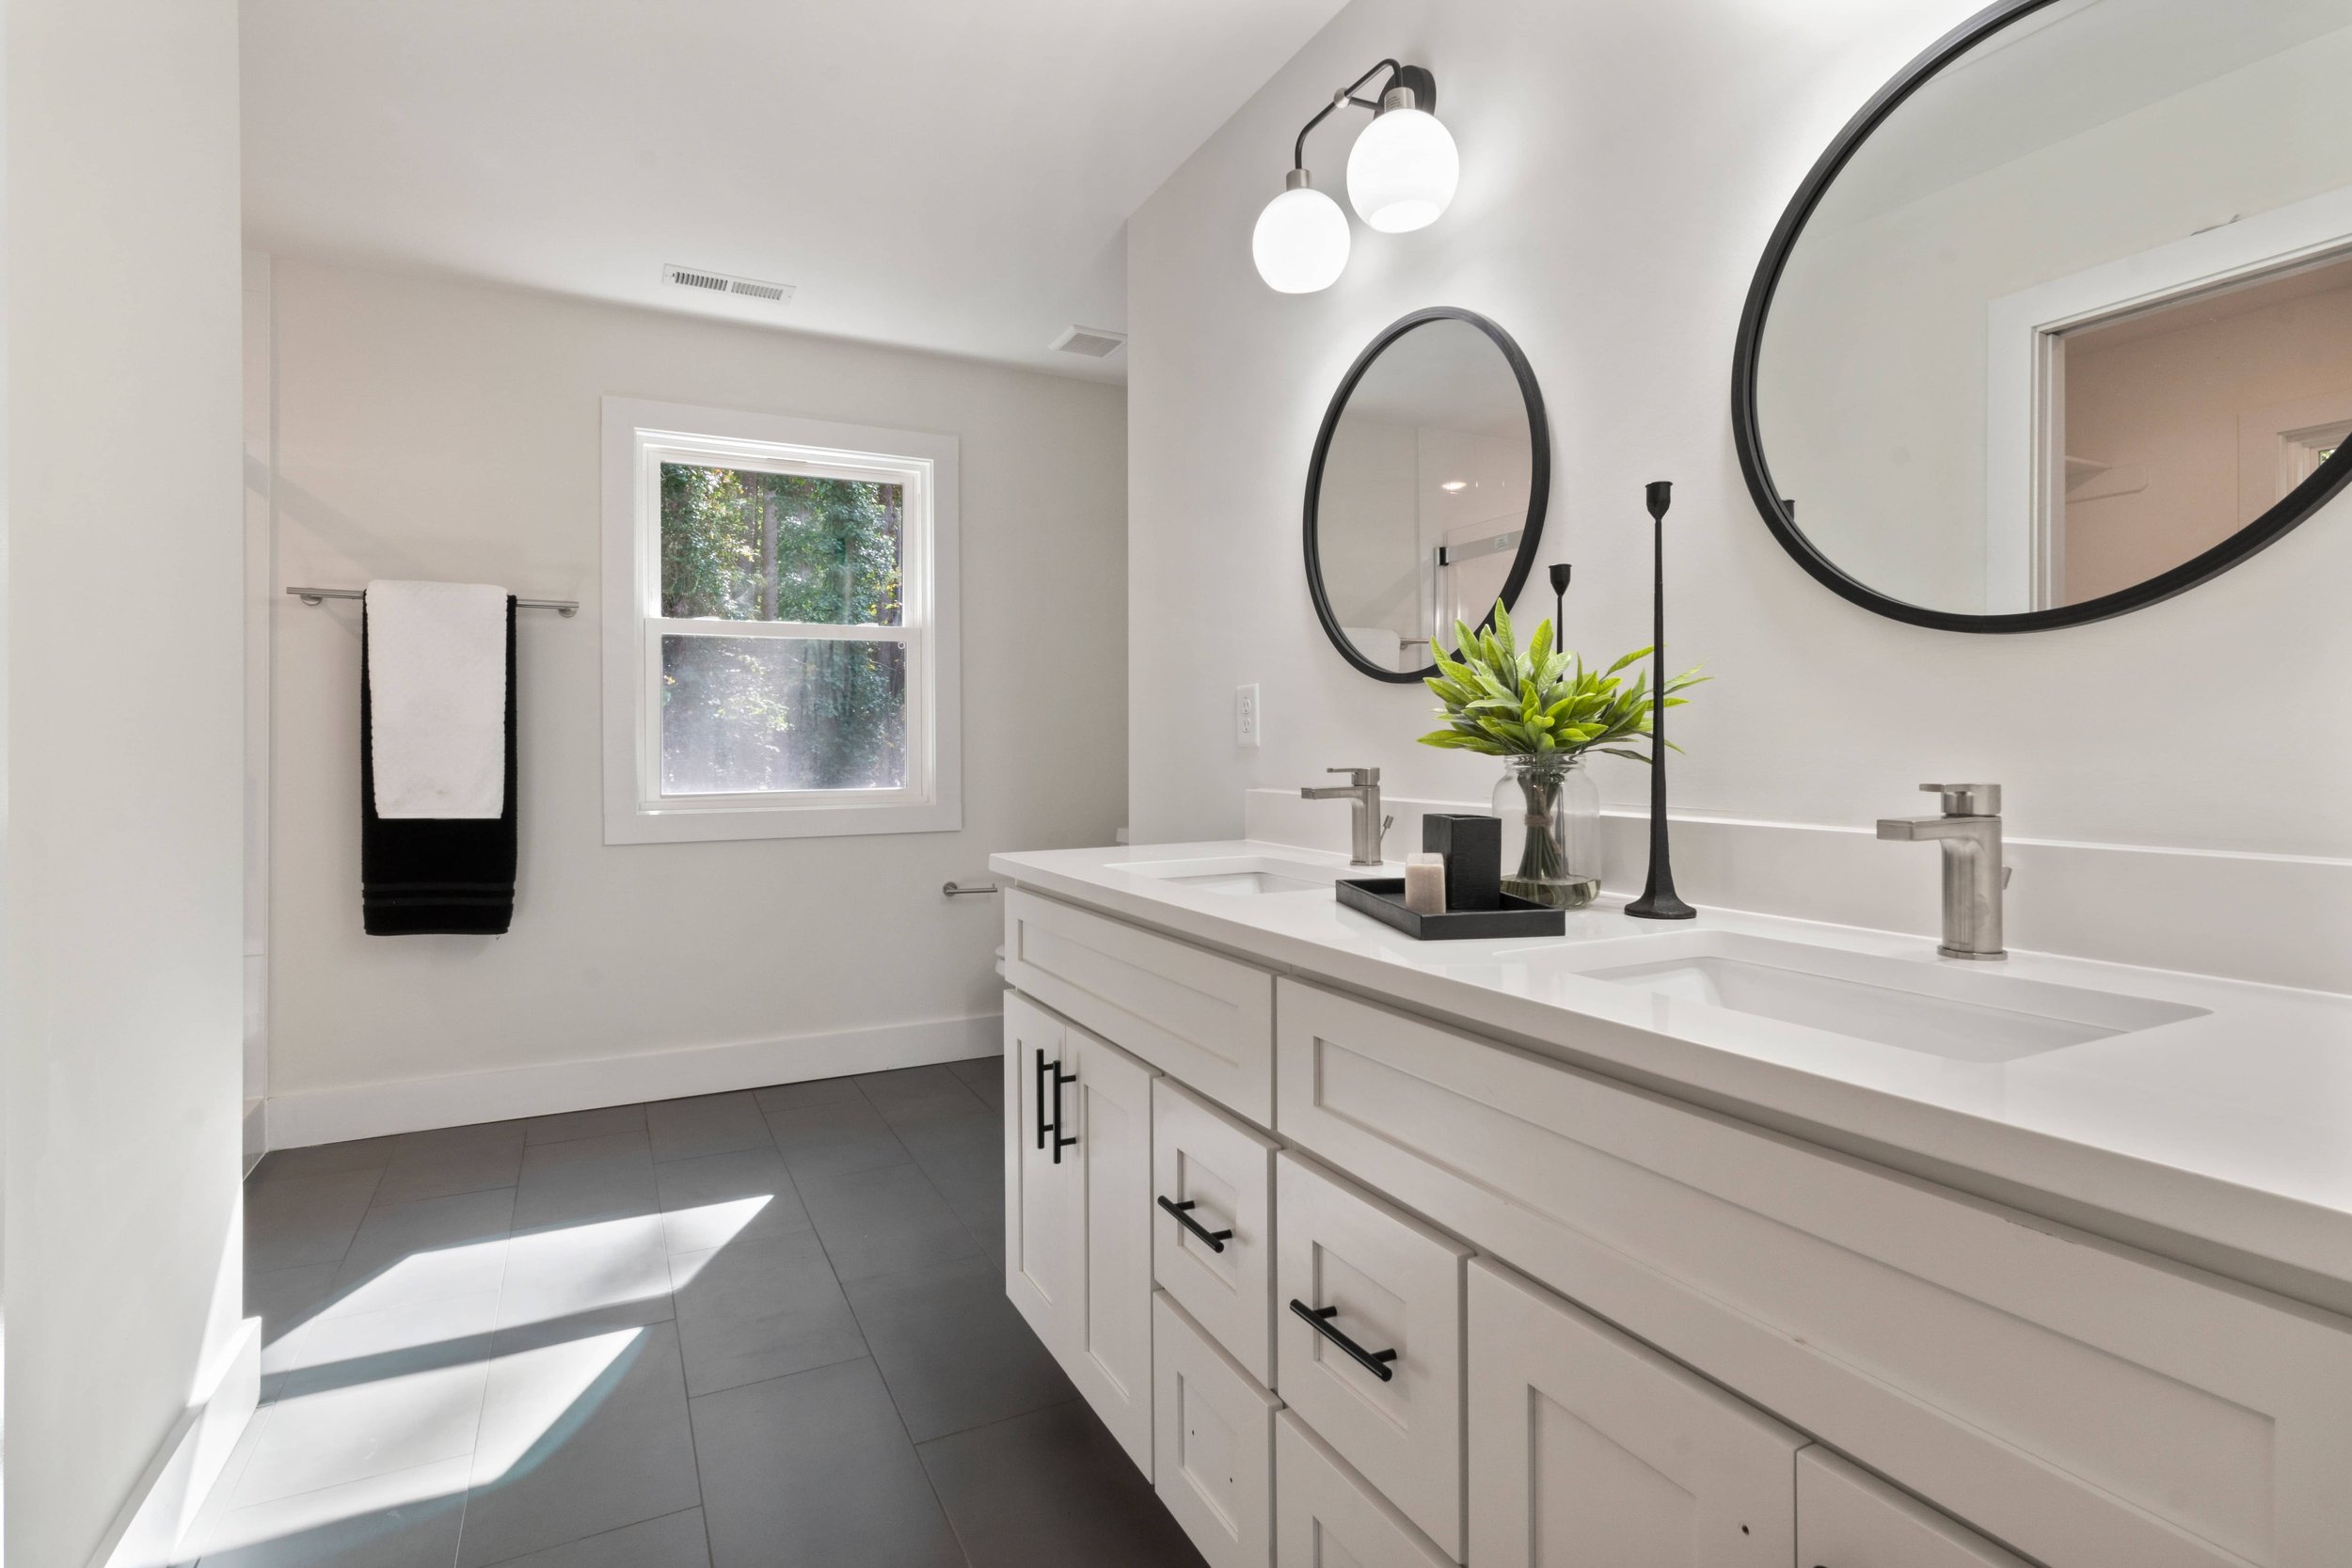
point(1209, 1168)
point(1847, 1519)
point(1326, 1516)
point(1043, 1234)
point(1106, 1344)
point(1588, 1448)
point(1215, 1456)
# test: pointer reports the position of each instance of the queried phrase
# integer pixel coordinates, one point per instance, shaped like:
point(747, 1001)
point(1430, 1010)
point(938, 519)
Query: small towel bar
point(566, 608)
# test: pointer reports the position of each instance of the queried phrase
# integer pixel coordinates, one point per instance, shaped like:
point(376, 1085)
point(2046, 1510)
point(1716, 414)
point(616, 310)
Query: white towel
point(436, 696)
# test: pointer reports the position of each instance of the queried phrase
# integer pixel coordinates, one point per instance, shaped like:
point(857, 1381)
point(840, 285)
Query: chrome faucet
point(1362, 793)
point(1969, 832)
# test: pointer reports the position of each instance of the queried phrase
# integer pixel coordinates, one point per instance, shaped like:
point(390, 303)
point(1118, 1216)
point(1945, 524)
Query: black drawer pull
point(1060, 1143)
point(1319, 1318)
point(1216, 1239)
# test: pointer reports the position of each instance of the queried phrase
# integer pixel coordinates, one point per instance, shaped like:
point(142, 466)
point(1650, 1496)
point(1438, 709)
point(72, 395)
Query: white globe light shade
point(1301, 244)
point(1402, 170)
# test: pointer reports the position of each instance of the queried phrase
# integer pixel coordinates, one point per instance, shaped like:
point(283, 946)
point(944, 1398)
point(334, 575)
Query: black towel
point(421, 876)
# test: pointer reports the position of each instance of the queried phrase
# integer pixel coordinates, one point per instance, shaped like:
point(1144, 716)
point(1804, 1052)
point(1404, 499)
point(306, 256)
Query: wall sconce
point(1401, 176)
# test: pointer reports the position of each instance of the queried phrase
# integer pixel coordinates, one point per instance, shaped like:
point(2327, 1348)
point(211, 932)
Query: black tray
point(1383, 898)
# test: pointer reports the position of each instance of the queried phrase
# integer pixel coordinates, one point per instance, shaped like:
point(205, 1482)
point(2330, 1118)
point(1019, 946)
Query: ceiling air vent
point(720, 283)
point(1095, 342)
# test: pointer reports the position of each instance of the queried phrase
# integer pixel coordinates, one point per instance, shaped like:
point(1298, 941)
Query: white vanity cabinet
point(1588, 1448)
point(1078, 1181)
point(1612, 1320)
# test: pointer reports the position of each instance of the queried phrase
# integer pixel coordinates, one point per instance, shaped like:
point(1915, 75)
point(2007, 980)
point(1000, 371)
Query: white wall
point(439, 429)
point(121, 876)
point(1622, 167)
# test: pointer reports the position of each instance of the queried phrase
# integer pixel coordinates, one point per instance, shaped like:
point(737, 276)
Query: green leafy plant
point(1502, 700)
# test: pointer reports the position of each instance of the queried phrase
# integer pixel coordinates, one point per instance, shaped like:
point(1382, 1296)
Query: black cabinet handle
point(1060, 1143)
point(1319, 1318)
point(1043, 1067)
point(1215, 1238)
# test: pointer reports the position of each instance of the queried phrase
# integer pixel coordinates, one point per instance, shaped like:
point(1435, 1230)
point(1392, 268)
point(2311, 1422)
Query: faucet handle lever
point(1357, 775)
point(1967, 800)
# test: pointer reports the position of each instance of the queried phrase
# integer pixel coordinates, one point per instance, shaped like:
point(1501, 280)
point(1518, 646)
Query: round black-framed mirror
point(2032, 546)
point(1426, 490)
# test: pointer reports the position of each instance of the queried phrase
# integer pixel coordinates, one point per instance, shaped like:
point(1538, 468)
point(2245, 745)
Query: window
point(779, 627)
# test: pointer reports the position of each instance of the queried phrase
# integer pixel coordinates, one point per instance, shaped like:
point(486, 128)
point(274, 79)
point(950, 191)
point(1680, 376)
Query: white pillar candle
point(1425, 883)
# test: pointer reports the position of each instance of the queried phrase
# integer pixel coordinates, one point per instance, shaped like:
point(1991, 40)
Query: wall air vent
point(1095, 342)
point(720, 283)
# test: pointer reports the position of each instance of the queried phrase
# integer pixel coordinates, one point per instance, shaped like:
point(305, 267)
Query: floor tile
point(815, 1471)
point(609, 1177)
point(880, 1221)
point(596, 1275)
point(407, 1519)
point(707, 1124)
point(759, 1309)
point(953, 1103)
point(453, 1160)
point(955, 1353)
point(720, 1199)
point(285, 1301)
point(1052, 1489)
point(991, 1093)
point(909, 1083)
point(673, 1541)
point(812, 1091)
point(436, 1246)
point(344, 1346)
point(584, 1124)
point(965, 1160)
point(342, 1436)
point(976, 1071)
point(325, 1159)
point(579, 1437)
point(834, 1137)
point(305, 1219)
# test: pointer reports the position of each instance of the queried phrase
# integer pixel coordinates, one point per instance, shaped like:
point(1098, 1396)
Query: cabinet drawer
point(1205, 1018)
point(2081, 1402)
point(1847, 1519)
point(1588, 1446)
point(1219, 1175)
point(1326, 1514)
point(1392, 1288)
point(1213, 1455)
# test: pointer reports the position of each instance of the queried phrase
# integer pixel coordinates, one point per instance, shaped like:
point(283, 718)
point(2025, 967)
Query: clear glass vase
point(1550, 814)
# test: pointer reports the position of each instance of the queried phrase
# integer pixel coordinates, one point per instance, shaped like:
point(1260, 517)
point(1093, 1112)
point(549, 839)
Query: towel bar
point(957, 890)
point(566, 608)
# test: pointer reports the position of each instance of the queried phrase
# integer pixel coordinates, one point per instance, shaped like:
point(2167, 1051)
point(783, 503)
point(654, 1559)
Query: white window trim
point(2024, 377)
point(638, 436)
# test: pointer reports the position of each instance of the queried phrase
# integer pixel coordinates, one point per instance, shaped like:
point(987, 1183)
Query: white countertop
point(2232, 1128)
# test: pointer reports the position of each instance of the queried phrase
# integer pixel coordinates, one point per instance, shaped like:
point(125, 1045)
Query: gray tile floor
point(756, 1330)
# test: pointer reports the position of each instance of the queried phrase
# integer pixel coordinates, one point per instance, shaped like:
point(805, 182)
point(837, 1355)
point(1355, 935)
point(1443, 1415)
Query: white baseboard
point(2277, 919)
point(147, 1533)
point(457, 1099)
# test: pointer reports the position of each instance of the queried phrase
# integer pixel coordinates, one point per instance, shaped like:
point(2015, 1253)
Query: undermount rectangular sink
point(1961, 1012)
point(1239, 876)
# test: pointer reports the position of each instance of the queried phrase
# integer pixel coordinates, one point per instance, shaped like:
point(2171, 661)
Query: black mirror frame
point(2273, 525)
point(1538, 479)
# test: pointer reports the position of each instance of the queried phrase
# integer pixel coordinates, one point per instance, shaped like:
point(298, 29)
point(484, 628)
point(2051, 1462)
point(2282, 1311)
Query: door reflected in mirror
point(2065, 325)
point(1424, 496)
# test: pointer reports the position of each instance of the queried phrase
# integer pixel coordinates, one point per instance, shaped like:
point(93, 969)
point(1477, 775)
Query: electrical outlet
point(1247, 719)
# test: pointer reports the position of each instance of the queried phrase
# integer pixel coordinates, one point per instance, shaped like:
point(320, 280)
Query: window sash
point(916, 614)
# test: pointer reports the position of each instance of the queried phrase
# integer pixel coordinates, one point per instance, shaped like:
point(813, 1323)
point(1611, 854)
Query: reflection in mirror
point(2075, 313)
point(1421, 509)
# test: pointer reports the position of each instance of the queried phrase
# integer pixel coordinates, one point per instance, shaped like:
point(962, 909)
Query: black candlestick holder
point(1561, 572)
point(1657, 900)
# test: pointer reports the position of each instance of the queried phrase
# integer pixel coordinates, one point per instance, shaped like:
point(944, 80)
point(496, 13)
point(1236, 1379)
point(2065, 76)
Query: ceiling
point(932, 173)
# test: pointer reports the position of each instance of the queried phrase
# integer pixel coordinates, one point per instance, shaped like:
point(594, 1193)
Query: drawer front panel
point(1847, 1519)
point(1326, 1516)
point(1390, 1284)
point(1588, 1448)
point(1205, 1018)
point(1213, 1451)
point(2078, 1401)
point(1224, 1170)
